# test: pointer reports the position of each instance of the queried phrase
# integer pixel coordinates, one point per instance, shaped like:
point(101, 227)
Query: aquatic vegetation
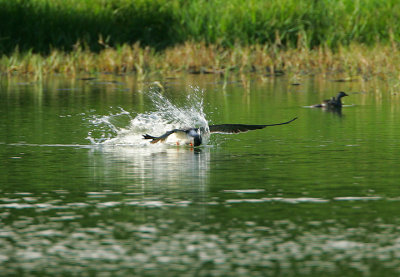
point(199, 58)
point(58, 24)
point(157, 36)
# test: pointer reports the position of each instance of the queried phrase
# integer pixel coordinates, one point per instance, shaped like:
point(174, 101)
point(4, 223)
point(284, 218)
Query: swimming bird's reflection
point(337, 111)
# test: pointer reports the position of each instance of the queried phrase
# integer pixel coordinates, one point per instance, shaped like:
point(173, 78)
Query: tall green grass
point(44, 25)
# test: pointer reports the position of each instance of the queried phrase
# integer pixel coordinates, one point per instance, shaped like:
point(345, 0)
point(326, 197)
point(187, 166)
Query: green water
point(319, 196)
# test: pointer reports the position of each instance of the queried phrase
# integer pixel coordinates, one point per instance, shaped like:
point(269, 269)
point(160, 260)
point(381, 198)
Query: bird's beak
point(197, 140)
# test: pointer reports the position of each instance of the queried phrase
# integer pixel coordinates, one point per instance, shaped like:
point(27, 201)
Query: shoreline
point(199, 58)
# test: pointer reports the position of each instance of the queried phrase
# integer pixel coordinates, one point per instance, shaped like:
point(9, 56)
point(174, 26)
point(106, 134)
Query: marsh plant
point(220, 37)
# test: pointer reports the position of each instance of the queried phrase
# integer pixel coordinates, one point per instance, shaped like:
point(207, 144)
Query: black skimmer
point(193, 136)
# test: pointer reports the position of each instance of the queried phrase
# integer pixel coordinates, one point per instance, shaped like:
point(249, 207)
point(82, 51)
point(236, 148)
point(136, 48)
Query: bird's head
point(194, 133)
point(342, 94)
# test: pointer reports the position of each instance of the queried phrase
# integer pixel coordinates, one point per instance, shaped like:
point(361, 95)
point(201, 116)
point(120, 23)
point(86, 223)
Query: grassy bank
point(159, 36)
point(45, 25)
point(198, 58)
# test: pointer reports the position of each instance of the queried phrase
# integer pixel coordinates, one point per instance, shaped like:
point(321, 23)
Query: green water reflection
point(317, 197)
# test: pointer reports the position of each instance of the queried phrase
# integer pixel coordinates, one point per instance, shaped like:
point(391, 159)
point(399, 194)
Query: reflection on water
point(134, 239)
point(319, 197)
point(332, 110)
point(154, 167)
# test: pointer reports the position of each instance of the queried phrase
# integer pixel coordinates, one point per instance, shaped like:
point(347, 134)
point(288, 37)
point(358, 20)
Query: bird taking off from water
point(333, 103)
point(193, 136)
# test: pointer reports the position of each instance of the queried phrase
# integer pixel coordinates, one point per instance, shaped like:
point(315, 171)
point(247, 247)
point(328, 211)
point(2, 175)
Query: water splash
point(106, 126)
point(166, 116)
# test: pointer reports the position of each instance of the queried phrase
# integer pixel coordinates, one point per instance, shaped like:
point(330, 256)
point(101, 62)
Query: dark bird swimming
point(193, 136)
point(334, 102)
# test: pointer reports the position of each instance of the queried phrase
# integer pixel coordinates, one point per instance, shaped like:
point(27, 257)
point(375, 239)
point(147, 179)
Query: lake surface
point(83, 194)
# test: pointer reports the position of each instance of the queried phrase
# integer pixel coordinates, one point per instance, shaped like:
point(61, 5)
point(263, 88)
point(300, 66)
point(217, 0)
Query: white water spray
point(166, 116)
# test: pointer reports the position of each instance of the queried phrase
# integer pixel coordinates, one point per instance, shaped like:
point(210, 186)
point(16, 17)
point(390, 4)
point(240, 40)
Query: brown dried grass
point(200, 58)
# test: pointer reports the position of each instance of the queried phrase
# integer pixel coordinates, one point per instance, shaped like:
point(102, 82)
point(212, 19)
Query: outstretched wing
point(160, 138)
point(239, 128)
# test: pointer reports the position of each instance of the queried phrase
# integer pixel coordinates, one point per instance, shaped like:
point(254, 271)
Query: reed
point(158, 36)
point(200, 58)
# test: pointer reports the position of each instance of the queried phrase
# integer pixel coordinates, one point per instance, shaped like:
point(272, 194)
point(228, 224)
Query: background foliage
point(45, 25)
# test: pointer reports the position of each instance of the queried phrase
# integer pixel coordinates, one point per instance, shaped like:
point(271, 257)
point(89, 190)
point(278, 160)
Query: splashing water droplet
point(167, 116)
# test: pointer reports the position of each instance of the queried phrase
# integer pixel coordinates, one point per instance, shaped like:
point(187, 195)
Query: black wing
point(239, 128)
point(160, 138)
